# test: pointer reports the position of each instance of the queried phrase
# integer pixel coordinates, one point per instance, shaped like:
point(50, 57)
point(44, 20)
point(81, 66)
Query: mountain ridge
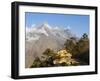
point(41, 37)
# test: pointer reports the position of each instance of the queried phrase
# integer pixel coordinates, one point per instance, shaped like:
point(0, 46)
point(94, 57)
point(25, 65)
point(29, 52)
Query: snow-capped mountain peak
point(44, 29)
point(44, 25)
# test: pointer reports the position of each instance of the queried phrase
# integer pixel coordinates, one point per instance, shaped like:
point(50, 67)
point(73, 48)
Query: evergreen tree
point(70, 44)
point(36, 63)
point(49, 56)
point(81, 50)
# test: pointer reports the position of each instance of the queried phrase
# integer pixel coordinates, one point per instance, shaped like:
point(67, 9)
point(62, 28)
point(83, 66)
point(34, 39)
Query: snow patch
point(43, 31)
point(34, 32)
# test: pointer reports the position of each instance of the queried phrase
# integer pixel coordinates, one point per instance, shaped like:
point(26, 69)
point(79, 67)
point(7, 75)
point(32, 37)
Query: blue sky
point(79, 24)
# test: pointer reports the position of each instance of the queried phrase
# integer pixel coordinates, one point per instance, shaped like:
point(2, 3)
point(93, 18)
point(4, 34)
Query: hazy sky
point(79, 24)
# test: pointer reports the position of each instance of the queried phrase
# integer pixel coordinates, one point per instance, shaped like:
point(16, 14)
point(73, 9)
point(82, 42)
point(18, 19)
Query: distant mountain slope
point(41, 37)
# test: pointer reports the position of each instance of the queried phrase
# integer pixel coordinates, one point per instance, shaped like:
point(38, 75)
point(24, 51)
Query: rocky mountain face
point(41, 37)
